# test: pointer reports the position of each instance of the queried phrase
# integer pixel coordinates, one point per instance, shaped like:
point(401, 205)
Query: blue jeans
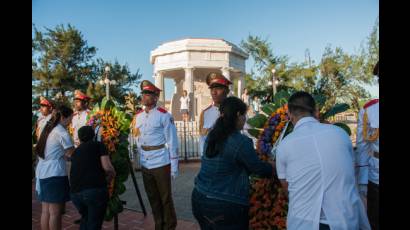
point(218, 214)
point(92, 204)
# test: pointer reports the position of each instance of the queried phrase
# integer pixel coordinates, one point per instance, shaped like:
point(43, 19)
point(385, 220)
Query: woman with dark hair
point(90, 164)
point(52, 185)
point(220, 199)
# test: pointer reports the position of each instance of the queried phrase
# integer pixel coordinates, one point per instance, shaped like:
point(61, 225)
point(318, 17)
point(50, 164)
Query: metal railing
point(188, 138)
point(345, 117)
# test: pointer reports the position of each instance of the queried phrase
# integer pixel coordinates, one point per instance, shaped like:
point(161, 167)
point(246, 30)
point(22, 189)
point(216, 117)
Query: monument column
point(189, 87)
point(240, 86)
point(159, 82)
point(226, 73)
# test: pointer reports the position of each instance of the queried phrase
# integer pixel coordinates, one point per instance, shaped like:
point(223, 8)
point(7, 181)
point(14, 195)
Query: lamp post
point(274, 82)
point(107, 82)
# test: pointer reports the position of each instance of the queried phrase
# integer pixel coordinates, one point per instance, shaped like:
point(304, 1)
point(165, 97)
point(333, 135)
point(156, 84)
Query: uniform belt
point(376, 154)
point(150, 148)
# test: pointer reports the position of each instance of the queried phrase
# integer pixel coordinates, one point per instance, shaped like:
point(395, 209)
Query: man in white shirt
point(315, 163)
point(256, 104)
point(245, 97)
point(80, 115)
point(46, 108)
point(367, 143)
point(219, 87)
point(157, 142)
point(185, 106)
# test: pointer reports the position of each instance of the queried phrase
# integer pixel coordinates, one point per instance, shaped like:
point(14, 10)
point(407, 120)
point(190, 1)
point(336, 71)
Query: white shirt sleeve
point(171, 137)
point(280, 162)
point(65, 140)
point(362, 155)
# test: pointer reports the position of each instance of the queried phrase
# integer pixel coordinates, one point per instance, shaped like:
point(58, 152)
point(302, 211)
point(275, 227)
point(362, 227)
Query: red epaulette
point(370, 103)
point(138, 111)
point(162, 110)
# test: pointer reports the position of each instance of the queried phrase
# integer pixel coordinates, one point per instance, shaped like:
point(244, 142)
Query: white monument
point(188, 62)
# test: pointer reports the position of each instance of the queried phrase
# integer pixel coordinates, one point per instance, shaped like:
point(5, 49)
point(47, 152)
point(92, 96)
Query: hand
point(110, 175)
point(174, 175)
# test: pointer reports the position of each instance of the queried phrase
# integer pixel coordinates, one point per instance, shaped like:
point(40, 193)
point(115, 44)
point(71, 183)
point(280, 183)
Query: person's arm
point(247, 156)
point(281, 168)
point(68, 153)
point(68, 146)
point(362, 157)
point(170, 133)
point(106, 162)
point(107, 166)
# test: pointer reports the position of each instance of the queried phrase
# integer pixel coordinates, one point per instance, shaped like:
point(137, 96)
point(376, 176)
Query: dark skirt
point(54, 190)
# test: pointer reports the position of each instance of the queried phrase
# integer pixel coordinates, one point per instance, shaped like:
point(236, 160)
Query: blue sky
point(128, 30)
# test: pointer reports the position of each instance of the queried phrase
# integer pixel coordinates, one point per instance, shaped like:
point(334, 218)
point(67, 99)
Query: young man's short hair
point(86, 133)
point(301, 102)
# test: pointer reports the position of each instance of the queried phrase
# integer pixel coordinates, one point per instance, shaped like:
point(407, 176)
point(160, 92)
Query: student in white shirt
point(185, 106)
point(245, 97)
point(256, 104)
point(52, 184)
point(157, 142)
point(315, 163)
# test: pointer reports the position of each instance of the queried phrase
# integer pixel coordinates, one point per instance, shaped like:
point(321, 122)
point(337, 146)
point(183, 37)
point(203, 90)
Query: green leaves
point(268, 108)
point(255, 132)
point(281, 98)
point(257, 121)
point(63, 61)
point(114, 206)
point(338, 108)
point(107, 104)
point(344, 127)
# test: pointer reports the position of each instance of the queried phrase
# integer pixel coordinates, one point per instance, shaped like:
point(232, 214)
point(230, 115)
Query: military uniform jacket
point(207, 120)
point(154, 128)
point(368, 165)
point(41, 123)
point(78, 121)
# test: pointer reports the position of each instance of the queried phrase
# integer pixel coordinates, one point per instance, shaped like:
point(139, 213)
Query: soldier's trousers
point(157, 183)
point(373, 205)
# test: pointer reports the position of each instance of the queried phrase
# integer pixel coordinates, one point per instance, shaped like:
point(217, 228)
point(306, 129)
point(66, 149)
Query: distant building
point(188, 62)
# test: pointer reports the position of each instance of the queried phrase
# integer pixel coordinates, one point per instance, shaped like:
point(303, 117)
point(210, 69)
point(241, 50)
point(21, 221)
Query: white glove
point(174, 168)
point(174, 174)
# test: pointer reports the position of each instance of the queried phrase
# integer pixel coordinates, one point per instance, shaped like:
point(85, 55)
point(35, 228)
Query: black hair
point(86, 133)
point(225, 125)
point(301, 102)
point(376, 69)
point(61, 111)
